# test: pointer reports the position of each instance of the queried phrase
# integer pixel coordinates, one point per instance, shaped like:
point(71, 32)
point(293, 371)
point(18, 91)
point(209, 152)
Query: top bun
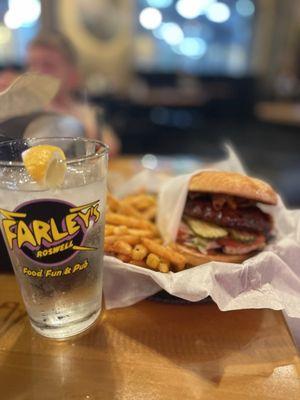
point(233, 184)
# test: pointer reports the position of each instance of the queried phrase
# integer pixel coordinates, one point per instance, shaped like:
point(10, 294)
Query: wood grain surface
point(149, 351)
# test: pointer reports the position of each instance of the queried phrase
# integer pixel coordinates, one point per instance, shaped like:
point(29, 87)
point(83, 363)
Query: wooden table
point(149, 351)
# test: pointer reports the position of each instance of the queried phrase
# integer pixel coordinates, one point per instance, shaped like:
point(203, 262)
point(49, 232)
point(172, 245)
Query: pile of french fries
point(132, 237)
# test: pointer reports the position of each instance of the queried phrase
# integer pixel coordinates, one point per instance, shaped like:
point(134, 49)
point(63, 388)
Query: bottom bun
point(194, 257)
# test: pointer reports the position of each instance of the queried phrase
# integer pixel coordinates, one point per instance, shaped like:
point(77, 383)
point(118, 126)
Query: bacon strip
point(231, 246)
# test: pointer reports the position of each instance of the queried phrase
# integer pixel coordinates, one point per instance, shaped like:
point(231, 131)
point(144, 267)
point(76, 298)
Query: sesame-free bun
point(233, 184)
point(195, 258)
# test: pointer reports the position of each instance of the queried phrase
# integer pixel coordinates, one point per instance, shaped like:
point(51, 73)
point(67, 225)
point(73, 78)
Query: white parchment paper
point(270, 279)
point(29, 93)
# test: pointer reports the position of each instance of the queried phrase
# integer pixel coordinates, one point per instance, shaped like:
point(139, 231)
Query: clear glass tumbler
point(55, 236)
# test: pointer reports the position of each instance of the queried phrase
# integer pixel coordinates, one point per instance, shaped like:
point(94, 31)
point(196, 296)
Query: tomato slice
point(184, 232)
point(232, 246)
point(235, 243)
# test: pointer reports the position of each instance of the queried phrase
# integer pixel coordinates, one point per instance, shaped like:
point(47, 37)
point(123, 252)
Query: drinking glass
point(54, 236)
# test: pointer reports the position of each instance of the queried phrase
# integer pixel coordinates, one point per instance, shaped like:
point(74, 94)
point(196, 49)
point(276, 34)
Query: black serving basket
point(165, 297)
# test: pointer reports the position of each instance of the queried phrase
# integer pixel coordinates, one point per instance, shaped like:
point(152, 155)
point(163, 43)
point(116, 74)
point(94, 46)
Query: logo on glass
point(49, 231)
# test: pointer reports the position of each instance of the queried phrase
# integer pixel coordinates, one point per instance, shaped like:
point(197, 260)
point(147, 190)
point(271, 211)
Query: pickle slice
point(242, 236)
point(200, 241)
point(206, 229)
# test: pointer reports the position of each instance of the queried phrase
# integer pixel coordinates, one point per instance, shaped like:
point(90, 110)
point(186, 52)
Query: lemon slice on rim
point(45, 164)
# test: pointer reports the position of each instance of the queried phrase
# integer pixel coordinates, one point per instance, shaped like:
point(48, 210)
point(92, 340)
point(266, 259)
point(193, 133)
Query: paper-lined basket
point(271, 279)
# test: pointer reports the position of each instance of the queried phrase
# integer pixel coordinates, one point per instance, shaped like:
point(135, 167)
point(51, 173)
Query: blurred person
point(54, 54)
point(7, 76)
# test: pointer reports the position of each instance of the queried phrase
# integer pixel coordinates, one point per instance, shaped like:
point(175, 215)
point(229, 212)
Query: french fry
point(131, 198)
point(122, 247)
point(141, 232)
point(131, 222)
point(108, 247)
point(123, 257)
point(124, 230)
point(139, 252)
point(138, 263)
point(164, 266)
point(152, 261)
point(141, 202)
point(121, 207)
point(128, 209)
point(130, 239)
point(120, 230)
point(150, 213)
point(133, 238)
point(177, 259)
point(108, 229)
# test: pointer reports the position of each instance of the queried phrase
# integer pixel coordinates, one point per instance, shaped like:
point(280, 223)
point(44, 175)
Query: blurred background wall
point(108, 35)
point(102, 31)
point(183, 76)
point(111, 39)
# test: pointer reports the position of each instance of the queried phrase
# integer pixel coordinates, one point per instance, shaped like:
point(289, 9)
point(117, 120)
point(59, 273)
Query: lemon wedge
point(44, 163)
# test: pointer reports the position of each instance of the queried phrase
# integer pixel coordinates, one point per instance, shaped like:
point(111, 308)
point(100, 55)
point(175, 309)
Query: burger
point(221, 219)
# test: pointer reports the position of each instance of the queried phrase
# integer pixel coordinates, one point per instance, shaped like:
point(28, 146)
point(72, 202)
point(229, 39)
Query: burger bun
point(195, 258)
point(234, 184)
